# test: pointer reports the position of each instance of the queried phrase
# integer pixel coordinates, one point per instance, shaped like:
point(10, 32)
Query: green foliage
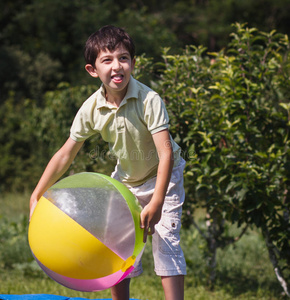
point(148, 31)
point(15, 144)
point(30, 75)
point(230, 114)
point(14, 247)
point(44, 39)
point(144, 69)
point(47, 40)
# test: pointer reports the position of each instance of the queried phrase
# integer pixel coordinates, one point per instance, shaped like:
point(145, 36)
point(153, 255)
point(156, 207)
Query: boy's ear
point(133, 64)
point(91, 70)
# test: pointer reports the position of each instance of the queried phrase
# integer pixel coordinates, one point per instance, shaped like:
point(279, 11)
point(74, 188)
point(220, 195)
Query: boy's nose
point(116, 65)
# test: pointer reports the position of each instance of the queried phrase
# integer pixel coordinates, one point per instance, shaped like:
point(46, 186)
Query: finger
point(151, 230)
point(142, 221)
point(142, 226)
point(145, 235)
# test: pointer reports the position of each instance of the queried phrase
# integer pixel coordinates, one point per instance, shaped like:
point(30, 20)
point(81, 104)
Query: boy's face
point(114, 70)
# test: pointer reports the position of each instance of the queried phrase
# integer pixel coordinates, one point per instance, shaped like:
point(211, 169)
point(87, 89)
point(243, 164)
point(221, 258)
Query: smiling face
point(114, 70)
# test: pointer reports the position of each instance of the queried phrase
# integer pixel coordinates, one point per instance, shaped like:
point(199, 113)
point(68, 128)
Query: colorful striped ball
point(85, 232)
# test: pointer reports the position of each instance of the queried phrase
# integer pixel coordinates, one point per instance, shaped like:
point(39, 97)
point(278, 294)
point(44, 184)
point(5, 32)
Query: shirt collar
point(132, 92)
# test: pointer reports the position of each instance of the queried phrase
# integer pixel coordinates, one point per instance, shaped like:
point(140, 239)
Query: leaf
point(200, 186)
point(212, 54)
point(215, 172)
point(270, 150)
point(189, 173)
point(194, 90)
point(199, 179)
point(241, 193)
point(214, 87)
point(285, 106)
point(206, 137)
point(222, 178)
point(233, 185)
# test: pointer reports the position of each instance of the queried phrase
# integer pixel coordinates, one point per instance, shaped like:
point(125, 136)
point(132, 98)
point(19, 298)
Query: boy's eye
point(121, 58)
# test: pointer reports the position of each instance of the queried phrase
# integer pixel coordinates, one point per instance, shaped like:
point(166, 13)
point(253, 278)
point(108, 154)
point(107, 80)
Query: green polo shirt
point(128, 129)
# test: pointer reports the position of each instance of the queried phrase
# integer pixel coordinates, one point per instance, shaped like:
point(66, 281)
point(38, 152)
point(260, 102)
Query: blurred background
point(41, 49)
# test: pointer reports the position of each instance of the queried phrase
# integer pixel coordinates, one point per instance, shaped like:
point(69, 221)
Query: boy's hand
point(150, 216)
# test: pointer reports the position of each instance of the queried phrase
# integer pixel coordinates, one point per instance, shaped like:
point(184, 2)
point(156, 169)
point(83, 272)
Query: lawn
point(243, 270)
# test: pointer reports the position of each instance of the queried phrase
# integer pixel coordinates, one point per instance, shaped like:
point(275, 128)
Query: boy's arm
point(56, 167)
point(151, 213)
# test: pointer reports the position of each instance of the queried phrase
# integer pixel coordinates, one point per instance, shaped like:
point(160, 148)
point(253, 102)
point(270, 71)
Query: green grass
point(243, 271)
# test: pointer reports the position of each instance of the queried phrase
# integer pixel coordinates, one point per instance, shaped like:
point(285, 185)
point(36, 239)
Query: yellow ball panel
point(65, 247)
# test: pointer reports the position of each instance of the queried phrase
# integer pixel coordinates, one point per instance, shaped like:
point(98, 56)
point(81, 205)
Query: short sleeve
point(155, 114)
point(83, 125)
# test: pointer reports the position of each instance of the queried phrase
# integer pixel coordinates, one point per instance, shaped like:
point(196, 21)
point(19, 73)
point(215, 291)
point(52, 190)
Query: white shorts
point(167, 253)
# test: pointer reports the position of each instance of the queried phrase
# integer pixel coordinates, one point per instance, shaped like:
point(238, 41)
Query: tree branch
point(274, 261)
point(196, 226)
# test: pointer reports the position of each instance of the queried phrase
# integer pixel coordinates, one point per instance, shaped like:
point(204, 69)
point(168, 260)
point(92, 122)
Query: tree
point(230, 113)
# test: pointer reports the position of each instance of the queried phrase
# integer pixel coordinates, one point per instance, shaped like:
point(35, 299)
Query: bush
point(14, 247)
point(230, 112)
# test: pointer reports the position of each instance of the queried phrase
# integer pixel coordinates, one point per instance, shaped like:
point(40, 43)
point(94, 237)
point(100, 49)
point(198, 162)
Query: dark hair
point(107, 38)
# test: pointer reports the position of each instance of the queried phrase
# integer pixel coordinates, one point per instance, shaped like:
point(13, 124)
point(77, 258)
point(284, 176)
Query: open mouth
point(117, 78)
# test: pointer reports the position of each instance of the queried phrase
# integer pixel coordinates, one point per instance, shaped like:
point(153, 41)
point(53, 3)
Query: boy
point(133, 120)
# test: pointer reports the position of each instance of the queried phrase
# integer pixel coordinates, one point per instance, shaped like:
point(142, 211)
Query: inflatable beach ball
point(85, 232)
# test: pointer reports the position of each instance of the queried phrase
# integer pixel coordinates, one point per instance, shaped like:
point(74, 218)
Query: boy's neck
point(115, 99)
